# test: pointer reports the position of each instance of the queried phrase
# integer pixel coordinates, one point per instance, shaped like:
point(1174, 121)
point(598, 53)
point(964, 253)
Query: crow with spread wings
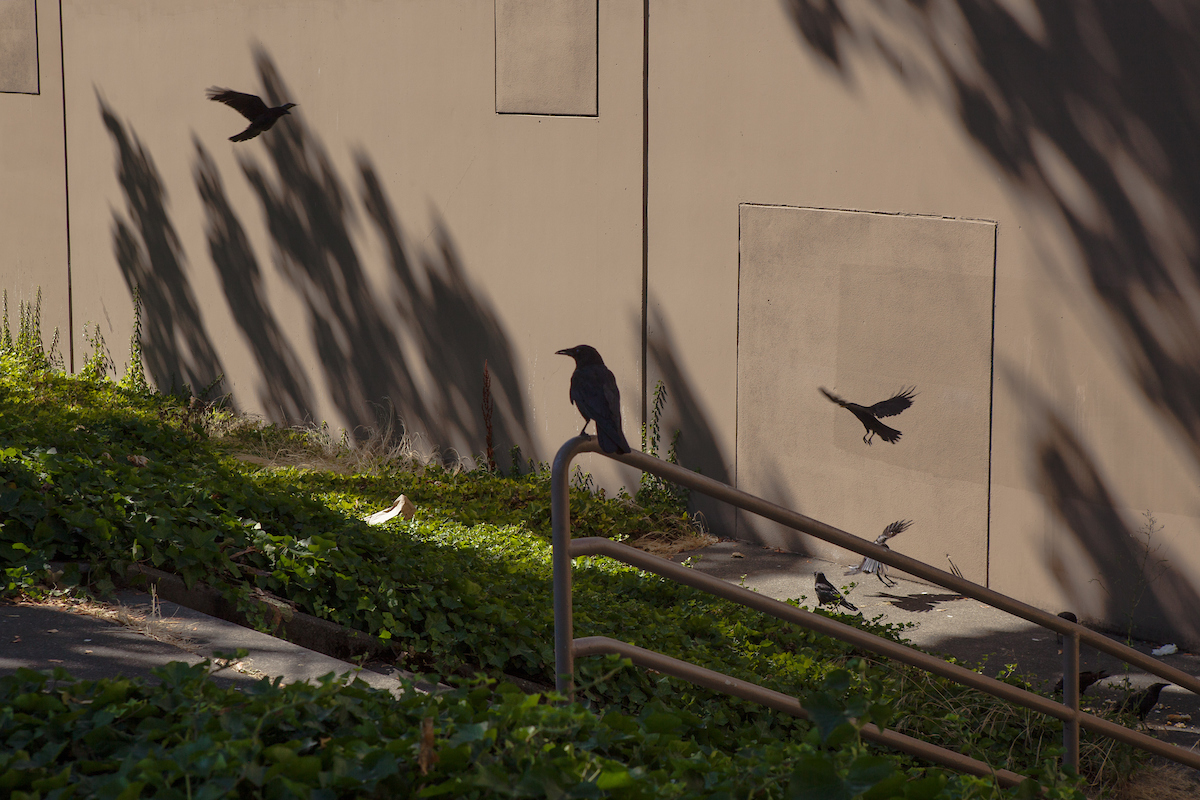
point(250, 106)
point(869, 415)
point(870, 566)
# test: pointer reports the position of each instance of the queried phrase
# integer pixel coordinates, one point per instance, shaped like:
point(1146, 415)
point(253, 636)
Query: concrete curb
point(288, 624)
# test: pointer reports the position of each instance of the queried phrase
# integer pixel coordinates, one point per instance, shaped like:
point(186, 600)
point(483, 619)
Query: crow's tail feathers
point(889, 435)
point(611, 441)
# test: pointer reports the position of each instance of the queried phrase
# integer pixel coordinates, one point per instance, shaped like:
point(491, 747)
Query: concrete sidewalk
point(134, 634)
point(948, 623)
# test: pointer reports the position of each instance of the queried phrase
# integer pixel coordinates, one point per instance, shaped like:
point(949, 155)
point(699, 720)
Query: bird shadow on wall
point(1089, 108)
point(405, 348)
point(177, 351)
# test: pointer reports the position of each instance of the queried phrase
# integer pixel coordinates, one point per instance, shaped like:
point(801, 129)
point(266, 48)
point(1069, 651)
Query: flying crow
point(828, 595)
point(594, 392)
point(870, 566)
point(252, 108)
point(869, 415)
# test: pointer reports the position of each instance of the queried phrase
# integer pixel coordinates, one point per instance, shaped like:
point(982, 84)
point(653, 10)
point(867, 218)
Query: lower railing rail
point(566, 647)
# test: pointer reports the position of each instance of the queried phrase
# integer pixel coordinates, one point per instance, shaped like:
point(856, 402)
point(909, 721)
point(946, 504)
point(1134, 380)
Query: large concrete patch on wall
point(18, 47)
point(546, 57)
point(864, 304)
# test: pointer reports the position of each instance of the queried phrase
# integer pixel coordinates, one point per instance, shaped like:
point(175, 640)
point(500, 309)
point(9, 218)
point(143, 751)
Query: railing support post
point(560, 525)
point(1070, 656)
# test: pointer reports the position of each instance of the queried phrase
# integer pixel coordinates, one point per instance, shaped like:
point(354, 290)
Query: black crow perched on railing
point(869, 415)
point(827, 594)
point(870, 566)
point(250, 106)
point(594, 392)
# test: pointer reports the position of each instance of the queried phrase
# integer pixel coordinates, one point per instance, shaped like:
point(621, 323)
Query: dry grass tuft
point(669, 543)
point(1161, 780)
point(312, 447)
point(146, 621)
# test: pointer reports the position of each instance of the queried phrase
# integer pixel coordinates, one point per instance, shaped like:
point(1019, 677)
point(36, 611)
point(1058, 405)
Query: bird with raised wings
point(250, 106)
point(870, 566)
point(594, 392)
point(869, 415)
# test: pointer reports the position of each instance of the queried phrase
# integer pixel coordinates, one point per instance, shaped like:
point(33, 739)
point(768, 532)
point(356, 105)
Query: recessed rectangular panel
point(546, 57)
point(18, 46)
point(865, 304)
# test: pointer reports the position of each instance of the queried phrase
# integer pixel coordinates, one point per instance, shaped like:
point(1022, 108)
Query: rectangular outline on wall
point(496, 74)
point(987, 563)
point(62, 63)
point(37, 58)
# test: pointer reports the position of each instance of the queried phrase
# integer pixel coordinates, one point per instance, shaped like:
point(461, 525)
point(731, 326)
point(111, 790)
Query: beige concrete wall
point(395, 231)
point(1056, 128)
point(381, 242)
point(33, 190)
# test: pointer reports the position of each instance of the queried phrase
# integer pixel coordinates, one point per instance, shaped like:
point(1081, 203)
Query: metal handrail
point(565, 646)
point(717, 681)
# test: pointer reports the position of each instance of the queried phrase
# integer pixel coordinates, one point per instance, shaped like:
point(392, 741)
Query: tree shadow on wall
point(1156, 597)
point(285, 390)
point(176, 348)
point(1091, 106)
point(697, 447)
point(412, 351)
point(418, 347)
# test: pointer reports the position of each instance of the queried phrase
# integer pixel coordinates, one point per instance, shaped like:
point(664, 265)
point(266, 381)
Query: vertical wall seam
point(37, 50)
point(737, 352)
point(987, 575)
point(62, 64)
point(597, 96)
point(645, 200)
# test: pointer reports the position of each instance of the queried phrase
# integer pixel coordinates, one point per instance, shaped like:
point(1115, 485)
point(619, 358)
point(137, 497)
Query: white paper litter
point(1165, 650)
point(402, 507)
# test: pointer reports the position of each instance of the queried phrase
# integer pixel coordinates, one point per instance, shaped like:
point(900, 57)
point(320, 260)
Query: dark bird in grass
point(594, 392)
point(1069, 617)
point(1086, 679)
point(252, 108)
point(869, 415)
point(1142, 702)
point(827, 594)
point(870, 566)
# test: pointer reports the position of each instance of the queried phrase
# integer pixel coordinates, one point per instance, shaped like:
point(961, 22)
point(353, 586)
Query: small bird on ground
point(594, 392)
point(1142, 702)
point(869, 415)
point(827, 594)
point(1086, 679)
point(250, 106)
point(870, 566)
